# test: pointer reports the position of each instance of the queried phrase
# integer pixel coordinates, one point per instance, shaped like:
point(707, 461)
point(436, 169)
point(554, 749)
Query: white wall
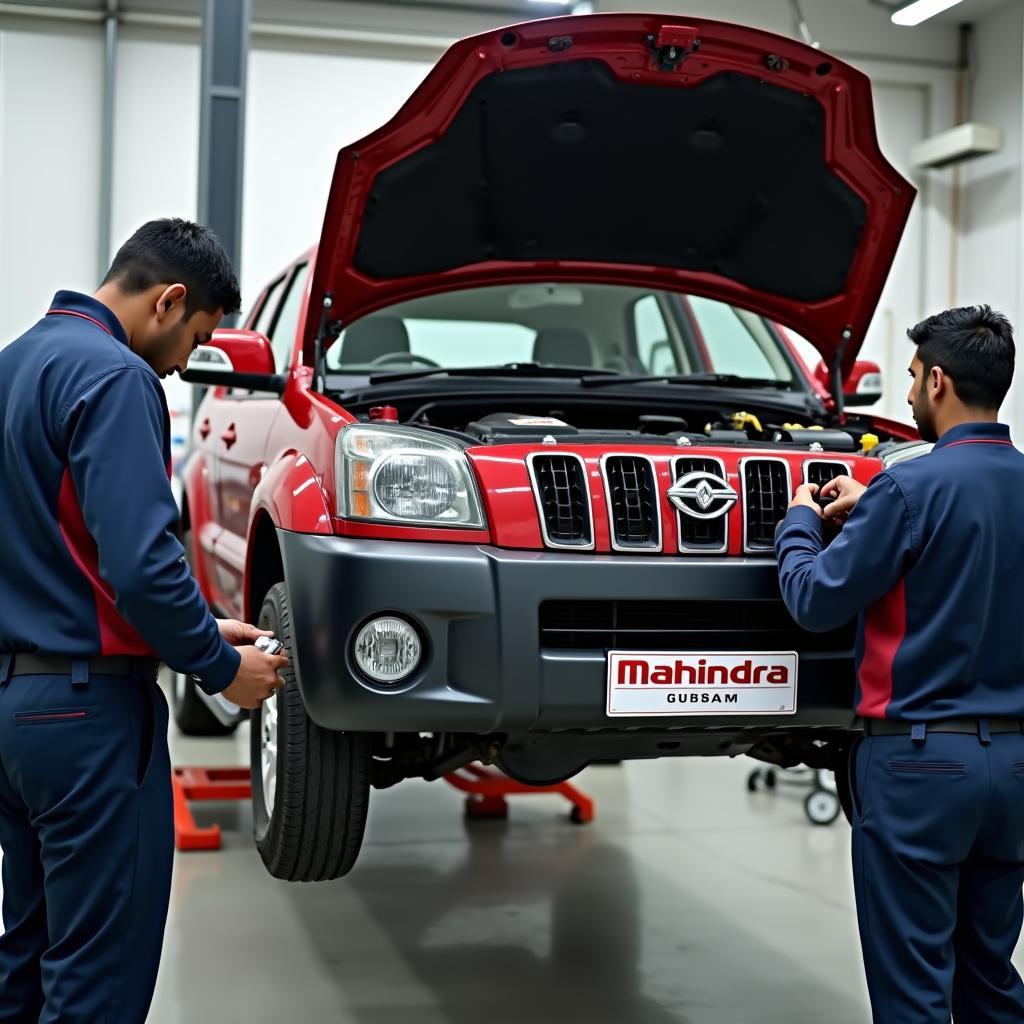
point(302, 108)
point(991, 262)
point(50, 101)
point(308, 98)
point(303, 105)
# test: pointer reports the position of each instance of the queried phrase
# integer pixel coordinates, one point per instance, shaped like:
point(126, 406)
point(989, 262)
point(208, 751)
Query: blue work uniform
point(932, 562)
point(92, 576)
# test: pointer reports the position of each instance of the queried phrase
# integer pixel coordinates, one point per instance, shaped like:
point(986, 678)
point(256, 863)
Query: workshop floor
point(688, 901)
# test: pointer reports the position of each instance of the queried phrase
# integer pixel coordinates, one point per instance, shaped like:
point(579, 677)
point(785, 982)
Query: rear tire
point(310, 786)
point(191, 715)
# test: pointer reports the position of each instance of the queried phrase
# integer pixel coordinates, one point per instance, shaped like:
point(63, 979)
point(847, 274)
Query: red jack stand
point(204, 784)
point(488, 789)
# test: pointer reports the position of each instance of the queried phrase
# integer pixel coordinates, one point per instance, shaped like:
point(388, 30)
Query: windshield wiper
point(504, 370)
point(722, 380)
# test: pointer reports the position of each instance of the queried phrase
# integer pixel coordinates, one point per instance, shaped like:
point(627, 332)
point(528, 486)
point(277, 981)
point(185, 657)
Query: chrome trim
point(608, 501)
point(548, 542)
point(725, 516)
point(742, 464)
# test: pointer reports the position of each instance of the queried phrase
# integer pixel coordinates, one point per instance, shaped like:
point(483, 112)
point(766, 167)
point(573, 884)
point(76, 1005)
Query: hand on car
point(257, 678)
point(240, 633)
point(846, 492)
point(805, 495)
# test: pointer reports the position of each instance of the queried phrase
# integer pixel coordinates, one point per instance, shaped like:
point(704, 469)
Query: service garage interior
point(613, 872)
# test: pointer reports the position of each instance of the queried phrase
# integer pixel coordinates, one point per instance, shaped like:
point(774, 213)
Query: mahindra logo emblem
point(702, 495)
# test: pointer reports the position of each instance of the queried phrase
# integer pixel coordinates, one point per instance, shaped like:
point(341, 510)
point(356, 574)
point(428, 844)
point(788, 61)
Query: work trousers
point(938, 867)
point(86, 829)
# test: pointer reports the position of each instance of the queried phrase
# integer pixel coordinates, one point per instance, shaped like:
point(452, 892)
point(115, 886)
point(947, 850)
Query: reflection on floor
point(688, 901)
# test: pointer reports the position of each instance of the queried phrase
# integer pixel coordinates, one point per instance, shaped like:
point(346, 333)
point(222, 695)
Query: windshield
point(624, 330)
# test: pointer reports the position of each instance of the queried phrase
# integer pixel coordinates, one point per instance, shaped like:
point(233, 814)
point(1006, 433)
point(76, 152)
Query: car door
point(242, 445)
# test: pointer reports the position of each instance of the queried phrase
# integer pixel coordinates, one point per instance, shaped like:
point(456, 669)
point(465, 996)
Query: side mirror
point(235, 359)
point(862, 387)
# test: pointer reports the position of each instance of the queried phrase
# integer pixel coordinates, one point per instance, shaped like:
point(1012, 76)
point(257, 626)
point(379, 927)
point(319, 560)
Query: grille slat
point(766, 496)
point(708, 535)
point(682, 626)
point(820, 472)
point(560, 483)
point(632, 502)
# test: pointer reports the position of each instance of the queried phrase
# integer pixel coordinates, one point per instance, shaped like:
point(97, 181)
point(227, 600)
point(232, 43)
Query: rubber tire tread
point(191, 715)
point(323, 781)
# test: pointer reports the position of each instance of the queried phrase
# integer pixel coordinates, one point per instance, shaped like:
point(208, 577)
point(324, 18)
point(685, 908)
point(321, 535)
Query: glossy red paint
point(249, 351)
point(291, 492)
point(512, 511)
point(835, 325)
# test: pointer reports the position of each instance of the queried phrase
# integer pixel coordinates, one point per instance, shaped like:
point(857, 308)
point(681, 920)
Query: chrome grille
point(632, 502)
point(705, 535)
point(766, 495)
point(560, 487)
point(819, 471)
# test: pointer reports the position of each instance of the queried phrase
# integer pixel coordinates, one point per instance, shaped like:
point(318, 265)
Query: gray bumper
point(477, 608)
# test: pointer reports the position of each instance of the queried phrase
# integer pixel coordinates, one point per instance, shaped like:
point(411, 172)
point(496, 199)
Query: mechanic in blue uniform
point(94, 588)
point(931, 558)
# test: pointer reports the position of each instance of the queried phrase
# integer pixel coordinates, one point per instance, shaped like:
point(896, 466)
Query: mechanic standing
point(932, 559)
point(94, 588)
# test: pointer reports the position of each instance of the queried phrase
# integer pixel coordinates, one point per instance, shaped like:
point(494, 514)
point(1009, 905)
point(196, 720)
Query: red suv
point(502, 459)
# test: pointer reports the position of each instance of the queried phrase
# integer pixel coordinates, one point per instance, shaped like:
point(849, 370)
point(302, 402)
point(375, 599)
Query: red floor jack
point(197, 784)
point(487, 790)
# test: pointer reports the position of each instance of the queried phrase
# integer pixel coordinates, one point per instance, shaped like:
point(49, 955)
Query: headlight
point(403, 475)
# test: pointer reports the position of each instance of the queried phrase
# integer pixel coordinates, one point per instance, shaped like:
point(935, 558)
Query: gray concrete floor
point(688, 901)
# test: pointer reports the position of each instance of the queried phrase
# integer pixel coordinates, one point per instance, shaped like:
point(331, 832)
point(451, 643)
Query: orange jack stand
point(488, 789)
point(204, 784)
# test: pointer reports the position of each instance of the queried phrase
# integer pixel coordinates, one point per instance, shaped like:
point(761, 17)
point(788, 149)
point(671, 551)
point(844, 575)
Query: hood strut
point(836, 374)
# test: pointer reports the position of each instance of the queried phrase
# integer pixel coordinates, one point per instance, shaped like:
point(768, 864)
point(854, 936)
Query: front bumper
point(484, 669)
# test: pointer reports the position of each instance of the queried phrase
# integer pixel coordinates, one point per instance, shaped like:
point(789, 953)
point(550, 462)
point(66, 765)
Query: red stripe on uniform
point(885, 626)
point(63, 716)
point(976, 440)
point(116, 635)
point(81, 316)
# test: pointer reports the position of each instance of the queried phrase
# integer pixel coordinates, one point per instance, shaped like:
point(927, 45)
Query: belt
point(970, 726)
point(61, 665)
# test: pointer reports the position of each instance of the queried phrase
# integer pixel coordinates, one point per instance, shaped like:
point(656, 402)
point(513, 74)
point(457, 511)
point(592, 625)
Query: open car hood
point(662, 151)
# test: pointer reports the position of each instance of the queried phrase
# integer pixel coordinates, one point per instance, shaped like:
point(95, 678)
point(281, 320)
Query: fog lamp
point(387, 649)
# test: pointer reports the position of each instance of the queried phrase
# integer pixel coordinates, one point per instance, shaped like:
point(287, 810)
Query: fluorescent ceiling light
point(921, 10)
point(552, 3)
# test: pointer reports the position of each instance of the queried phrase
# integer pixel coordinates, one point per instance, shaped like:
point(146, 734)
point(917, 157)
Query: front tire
point(310, 786)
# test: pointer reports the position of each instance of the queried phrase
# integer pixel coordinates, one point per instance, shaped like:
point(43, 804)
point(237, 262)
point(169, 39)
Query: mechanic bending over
point(932, 559)
point(94, 587)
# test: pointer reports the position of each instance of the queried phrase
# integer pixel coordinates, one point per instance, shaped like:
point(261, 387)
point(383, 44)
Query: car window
point(460, 343)
point(738, 342)
point(450, 343)
point(267, 310)
point(282, 334)
point(653, 347)
point(617, 328)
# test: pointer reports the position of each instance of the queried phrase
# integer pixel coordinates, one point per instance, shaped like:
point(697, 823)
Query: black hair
point(974, 345)
point(173, 250)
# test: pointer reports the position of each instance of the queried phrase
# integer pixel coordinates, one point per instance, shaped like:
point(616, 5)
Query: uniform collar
point(975, 433)
point(85, 306)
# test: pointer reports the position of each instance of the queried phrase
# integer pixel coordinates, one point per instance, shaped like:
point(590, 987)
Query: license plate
point(644, 683)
